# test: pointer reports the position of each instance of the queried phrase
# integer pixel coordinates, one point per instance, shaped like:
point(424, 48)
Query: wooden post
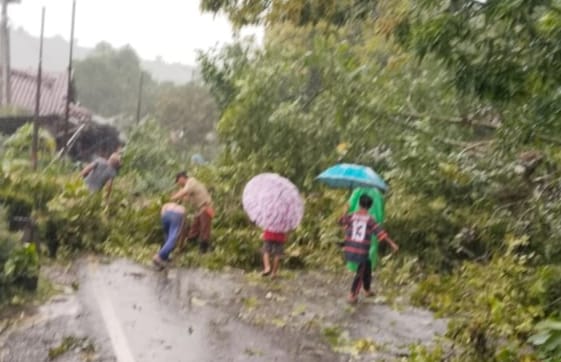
point(139, 101)
point(5, 54)
point(3, 24)
point(34, 145)
point(69, 84)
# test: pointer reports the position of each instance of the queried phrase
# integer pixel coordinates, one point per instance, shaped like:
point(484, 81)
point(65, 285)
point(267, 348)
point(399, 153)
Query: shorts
point(273, 248)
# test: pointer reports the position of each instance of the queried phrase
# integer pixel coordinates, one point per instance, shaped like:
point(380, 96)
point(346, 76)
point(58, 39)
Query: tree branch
point(548, 139)
point(446, 141)
point(454, 120)
point(476, 145)
point(554, 8)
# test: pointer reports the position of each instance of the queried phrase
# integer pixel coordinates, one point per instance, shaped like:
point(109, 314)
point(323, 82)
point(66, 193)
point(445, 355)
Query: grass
point(21, 299)
point(251, 303)
point(332, 335)
point(69, 343)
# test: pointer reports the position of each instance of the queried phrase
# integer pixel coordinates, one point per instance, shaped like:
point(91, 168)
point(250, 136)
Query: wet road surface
point(130, 313)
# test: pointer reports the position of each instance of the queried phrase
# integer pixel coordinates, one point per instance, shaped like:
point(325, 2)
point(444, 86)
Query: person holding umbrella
point(376, 211)
point(364, 181)
point(273, 246)
point(359, 228)
point(273, 203)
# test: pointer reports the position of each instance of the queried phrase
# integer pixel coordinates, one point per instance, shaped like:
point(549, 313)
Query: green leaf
point(539, 339)
point(549, 325)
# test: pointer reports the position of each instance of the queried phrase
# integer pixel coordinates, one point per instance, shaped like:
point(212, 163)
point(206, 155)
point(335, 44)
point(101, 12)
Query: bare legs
point(267, 265)
point(276, 264)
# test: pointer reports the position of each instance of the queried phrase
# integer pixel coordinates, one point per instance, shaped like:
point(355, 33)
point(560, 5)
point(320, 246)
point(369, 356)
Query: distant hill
point(25, 49)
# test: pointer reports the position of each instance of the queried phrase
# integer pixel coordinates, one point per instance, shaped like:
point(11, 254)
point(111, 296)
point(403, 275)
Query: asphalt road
point(130, 313)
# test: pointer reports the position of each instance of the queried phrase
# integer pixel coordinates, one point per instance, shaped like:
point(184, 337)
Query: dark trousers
point(363, 277)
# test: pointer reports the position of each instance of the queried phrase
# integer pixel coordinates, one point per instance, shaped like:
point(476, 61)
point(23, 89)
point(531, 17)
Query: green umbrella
point(376, 211)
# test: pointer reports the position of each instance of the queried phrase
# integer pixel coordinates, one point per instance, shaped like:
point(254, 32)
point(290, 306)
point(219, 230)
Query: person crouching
point(173, 216)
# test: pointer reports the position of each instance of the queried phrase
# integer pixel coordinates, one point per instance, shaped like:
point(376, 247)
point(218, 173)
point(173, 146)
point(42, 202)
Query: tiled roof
point(53, 94)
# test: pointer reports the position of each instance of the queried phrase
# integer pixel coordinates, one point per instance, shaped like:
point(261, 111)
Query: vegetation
point(70, 343)
point(108, 80)
point(454, 103)
point(19, 264)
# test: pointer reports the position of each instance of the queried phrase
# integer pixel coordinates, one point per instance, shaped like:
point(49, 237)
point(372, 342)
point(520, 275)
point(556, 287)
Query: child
point(359, 228)
point(273, 245)
point(376, 211)
point(172, 215)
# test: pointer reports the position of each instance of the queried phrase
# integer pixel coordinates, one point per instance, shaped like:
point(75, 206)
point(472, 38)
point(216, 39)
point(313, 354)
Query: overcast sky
point(172, 29)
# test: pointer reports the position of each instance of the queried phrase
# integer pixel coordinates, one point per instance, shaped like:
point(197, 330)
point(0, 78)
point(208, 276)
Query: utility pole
point(5, 96)
point(34, 145)
point(139, 101)
point(69, 84)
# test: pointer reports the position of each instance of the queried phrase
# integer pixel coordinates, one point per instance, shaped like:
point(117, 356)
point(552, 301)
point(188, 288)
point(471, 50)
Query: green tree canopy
point(107, 81)
point(507, 52)
point(188, 110)
point(448, 118)
point(297, 12)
